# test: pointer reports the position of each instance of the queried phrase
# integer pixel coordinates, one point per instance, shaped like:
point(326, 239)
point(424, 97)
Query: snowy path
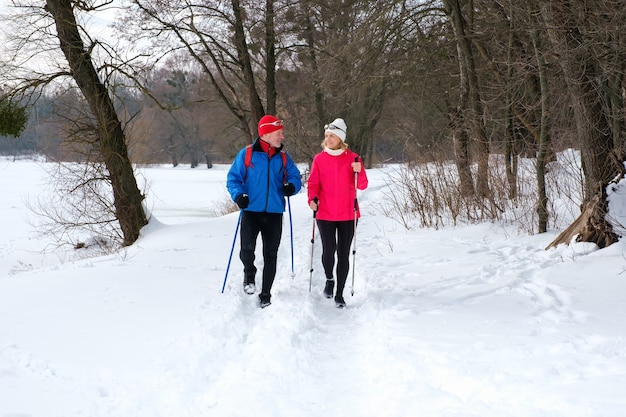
point(468, 321)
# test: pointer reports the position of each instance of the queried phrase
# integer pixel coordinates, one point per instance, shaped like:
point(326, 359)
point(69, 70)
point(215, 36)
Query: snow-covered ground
point(466, 321)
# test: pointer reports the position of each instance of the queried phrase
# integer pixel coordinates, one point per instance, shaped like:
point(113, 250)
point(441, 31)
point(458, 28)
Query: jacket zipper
point(267, 190)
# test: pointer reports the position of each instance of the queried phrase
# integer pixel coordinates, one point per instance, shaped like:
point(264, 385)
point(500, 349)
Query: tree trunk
point(544, 141)
point(243, 57)
point(590, 226)
point(473, 110)
point(616, 103)
point(457, 117)
point(510, 151)
point(460, 140)
point(470, 97)
point(320, 109)
point(126, 194)
point(270, 57)
point(581, 71)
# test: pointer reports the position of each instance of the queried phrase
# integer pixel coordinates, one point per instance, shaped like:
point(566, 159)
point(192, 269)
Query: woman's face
point(332, 141)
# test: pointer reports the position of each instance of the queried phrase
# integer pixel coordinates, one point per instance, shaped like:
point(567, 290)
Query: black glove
point(242, 201)
point(289, 189)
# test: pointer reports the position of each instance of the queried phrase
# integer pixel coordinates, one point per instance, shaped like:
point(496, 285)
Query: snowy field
point(474, 321)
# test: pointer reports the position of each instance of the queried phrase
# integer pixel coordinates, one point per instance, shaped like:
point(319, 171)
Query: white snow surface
point(464, 321)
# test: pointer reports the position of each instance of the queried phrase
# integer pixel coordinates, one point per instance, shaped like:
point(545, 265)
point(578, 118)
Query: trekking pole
point(312, 244)
point(356, 174)
point(231, 250)
point(293, 274)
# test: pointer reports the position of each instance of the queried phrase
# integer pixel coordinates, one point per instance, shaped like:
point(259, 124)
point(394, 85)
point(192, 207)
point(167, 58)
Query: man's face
point(275, 138)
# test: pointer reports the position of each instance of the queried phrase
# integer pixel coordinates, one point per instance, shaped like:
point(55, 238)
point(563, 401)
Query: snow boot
point(328, 289)
point(248, 285)
point(264, 300)
point(339, 301)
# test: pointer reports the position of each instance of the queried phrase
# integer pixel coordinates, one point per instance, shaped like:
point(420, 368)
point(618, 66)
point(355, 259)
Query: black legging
point(270, 225)
point(336, 238)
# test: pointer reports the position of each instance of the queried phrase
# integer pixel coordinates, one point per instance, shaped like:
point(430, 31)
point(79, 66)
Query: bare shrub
point(77, 209)
point(429, 194)
point(224, 206)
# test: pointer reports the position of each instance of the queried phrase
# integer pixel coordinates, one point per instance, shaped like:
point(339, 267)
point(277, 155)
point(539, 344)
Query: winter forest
point(489, 275)
point(477, 89)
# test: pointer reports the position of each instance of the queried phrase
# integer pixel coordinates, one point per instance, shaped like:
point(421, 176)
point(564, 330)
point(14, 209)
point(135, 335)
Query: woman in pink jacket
point(332, 193)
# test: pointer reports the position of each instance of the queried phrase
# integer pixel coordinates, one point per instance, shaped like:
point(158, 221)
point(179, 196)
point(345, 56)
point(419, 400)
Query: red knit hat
point(269, 124)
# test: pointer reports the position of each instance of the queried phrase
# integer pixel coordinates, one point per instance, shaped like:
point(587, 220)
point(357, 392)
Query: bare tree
point(544, 142)
point(111, 138)
point(217, 37)
point(347, 63)
point(578, 48)
point(470, 110)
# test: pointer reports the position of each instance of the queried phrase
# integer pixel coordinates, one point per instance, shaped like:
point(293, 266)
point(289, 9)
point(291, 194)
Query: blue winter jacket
point(263, 185)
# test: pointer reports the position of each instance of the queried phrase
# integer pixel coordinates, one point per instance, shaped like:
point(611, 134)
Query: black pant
point(336, 239)
point(270, 225)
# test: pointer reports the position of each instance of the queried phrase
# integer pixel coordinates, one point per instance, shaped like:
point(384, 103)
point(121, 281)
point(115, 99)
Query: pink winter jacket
point(332, 182)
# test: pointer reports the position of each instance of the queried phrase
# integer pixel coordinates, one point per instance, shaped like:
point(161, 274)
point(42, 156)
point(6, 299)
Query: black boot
point(328, 289)
point(339, 301)
point(264, 300)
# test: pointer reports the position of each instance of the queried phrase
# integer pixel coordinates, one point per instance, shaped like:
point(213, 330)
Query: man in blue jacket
point(259, 179)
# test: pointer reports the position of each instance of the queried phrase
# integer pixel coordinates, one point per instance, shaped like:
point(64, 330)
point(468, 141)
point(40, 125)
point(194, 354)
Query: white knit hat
point(337, 127)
